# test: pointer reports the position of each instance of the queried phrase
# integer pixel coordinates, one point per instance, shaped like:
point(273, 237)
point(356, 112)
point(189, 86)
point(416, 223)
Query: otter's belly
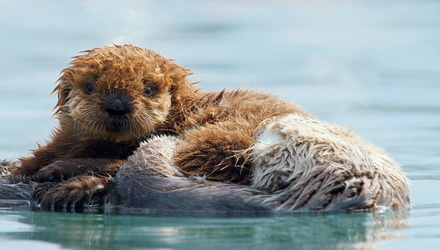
point(298, 164)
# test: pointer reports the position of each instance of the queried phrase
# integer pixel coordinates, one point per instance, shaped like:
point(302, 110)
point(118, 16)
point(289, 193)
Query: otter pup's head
point(119, 93)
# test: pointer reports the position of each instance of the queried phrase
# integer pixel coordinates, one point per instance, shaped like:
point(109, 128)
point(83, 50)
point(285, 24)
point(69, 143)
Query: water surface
point(372, 66)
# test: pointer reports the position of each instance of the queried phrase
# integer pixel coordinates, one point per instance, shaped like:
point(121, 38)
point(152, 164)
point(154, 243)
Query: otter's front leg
point(43, 156)
point(65, 169)
point(217, 152)
point(77, 192)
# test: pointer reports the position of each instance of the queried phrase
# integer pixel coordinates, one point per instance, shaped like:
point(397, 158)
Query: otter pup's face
point(117, 93)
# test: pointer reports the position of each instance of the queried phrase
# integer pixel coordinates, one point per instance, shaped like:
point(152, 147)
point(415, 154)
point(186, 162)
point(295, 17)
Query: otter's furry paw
point(65, 169)
point(77, 192)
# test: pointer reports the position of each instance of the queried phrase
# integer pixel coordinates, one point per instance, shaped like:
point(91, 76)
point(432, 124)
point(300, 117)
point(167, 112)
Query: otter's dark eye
point(89, 88)
point(149, 91)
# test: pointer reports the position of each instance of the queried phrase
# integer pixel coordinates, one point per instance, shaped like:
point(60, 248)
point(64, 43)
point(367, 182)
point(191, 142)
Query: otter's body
point(111, 99)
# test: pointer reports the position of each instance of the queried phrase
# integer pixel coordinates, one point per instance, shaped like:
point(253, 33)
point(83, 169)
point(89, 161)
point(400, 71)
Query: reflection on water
point(372, 66)
point(342, 231)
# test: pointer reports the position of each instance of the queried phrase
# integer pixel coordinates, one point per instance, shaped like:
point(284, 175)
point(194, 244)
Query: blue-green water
point(372, 66)
point(138, 232)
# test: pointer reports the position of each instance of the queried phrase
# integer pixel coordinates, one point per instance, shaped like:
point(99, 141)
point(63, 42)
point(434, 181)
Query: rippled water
point(372, 66)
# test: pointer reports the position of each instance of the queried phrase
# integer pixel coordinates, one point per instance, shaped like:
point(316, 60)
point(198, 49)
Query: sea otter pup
point(111, 99)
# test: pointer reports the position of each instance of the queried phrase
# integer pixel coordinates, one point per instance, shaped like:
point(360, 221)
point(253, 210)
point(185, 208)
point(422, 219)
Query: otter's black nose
point(117, 108)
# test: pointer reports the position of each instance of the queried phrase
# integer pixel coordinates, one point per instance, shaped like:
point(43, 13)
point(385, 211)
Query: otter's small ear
point(181, 87)
point(63, 91)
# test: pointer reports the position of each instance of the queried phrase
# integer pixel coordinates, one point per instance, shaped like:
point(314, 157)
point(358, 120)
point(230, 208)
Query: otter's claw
point(57, 171)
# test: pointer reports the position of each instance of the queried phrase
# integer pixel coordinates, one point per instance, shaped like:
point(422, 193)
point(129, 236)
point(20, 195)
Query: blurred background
point(372, 66)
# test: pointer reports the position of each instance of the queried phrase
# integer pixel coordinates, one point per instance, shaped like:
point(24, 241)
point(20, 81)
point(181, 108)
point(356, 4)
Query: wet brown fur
point(216, 128)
